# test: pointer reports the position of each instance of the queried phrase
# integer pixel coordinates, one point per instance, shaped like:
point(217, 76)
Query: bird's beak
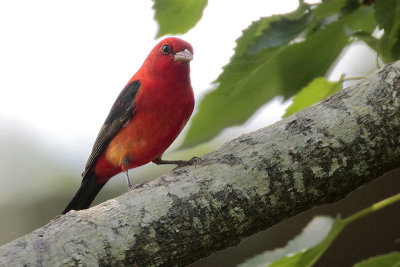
point(183, 56)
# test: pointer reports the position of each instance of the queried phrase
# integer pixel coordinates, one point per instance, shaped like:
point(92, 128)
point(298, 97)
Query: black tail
point(86, 193)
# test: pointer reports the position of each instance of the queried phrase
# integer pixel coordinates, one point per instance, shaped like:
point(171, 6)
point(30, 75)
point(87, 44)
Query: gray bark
point(314, 157)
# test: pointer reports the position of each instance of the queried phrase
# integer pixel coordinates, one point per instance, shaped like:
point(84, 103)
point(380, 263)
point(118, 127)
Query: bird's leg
point(180, 163)
point(130, 186)
point(163, 162)
point(124, 168)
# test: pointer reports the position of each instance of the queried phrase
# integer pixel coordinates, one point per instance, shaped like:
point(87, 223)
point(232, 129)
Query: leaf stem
point(377, 206)
point(378, 65)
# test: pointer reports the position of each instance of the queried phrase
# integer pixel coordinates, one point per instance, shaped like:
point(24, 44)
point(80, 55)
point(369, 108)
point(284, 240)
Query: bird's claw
point(184, 163)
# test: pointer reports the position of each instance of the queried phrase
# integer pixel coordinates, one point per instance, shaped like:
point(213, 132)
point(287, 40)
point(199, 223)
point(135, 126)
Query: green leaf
point(388, 260)
point(315, 91)
point(331, 11)
point(177, 16)
point(387, 14)
point(310, 256)
point(328, 9)
point(261, 69)
point(249, 81)
point(311, 235)
point(280, 30)
point(260, 29)
point(365, 22)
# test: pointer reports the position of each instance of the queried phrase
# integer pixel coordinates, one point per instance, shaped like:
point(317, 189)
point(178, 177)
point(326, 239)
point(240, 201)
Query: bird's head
point(170, 55)
point(176, 49)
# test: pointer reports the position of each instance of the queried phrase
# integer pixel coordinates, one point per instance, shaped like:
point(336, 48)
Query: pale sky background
point(63, 63)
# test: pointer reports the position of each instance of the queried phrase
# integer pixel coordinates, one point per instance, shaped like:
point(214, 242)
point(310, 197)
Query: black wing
point(120, 114)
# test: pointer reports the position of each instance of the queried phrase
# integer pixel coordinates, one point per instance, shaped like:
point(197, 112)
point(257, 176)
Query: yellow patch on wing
point(115, 153)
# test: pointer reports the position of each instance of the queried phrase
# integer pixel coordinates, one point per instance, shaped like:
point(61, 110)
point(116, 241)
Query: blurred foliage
point(22, 161)
point(176, 16)
point(308, 256)
point(390, 259)
point(312, 234)
point(387, 14)
point(281, 54)
point(317, 90)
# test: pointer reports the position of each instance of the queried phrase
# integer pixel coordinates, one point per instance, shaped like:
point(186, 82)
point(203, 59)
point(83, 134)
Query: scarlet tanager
point(145, 119)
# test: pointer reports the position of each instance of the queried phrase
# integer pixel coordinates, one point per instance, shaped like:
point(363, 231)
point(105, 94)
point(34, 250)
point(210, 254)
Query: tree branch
point(314, 157)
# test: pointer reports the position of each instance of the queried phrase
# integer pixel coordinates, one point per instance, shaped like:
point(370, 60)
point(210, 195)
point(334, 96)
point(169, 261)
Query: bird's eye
point(166, 49)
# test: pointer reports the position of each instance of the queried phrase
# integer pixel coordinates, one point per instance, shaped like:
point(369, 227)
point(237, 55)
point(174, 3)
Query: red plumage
point(146, 118)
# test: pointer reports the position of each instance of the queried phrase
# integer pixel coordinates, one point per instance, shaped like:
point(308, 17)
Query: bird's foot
point(179, 163)
point(183, 163)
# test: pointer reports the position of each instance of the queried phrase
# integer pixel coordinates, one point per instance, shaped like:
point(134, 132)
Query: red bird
point(145, 119)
